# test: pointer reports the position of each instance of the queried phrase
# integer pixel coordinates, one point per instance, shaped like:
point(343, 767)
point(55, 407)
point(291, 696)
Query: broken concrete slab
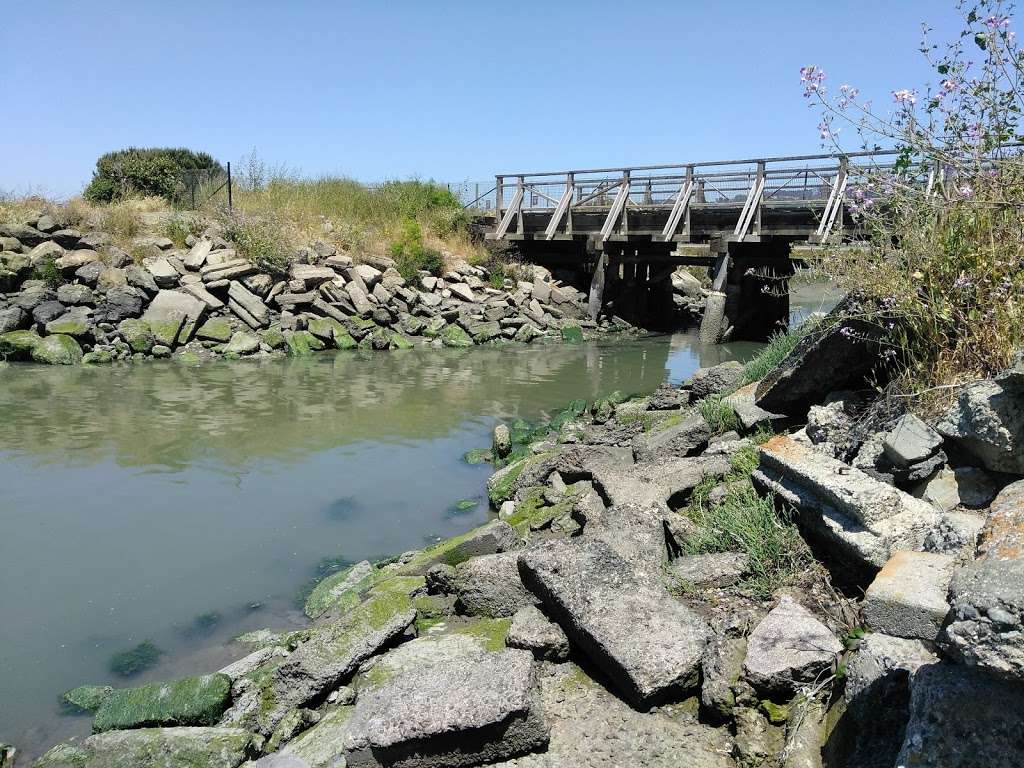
point(531, 630)
point(789, 648)
point(986, 620)
point(908, 596)
point(170, 307)
point(464, 712)
point(489, 585)
point(157, 748)
point(648, 643)
point(688, 437)
point(859, 520)
point(987, 420)
point(910, 441)
point(255, 309)
point(717, 569)
point(715, 380)
point(750, 414)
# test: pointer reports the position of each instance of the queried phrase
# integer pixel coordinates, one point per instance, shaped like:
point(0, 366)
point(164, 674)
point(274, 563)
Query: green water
point(136, 499)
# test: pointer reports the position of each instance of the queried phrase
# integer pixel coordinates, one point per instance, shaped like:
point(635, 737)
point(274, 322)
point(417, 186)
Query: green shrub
point(411, 256)
point(719, 415)
point(157, 171)
point(48, 273)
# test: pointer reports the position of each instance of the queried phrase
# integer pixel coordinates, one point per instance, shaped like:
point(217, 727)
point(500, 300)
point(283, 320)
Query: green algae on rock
point(86, 698)
point(189, 701)
point(57, 349)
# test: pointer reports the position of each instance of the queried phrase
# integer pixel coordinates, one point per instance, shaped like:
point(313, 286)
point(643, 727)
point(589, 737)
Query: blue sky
point(447, 90)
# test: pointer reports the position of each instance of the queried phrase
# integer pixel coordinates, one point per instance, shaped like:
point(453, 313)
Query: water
point(185, 505)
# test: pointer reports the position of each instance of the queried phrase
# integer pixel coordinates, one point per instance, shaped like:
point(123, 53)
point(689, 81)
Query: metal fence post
point(229, 186)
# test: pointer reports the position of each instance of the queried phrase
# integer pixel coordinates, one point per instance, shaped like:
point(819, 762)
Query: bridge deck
point(797, 199)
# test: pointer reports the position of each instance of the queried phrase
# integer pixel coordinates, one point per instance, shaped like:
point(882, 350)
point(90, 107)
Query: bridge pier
point(750, 292)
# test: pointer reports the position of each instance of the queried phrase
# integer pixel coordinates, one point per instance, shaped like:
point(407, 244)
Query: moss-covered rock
point(273, 337)
point(190, 701)
point(303, 344)
point(321, 745)
point(214, 329)
point(360, 327)
point(157, 748)
point(433, 327)
point(137, 334)
point(57, 350)
point(572, 334)
point(343, 340)
point(398, 341)
point(18, 345)
point(242, 343)
point(476, 456)
point(340, 590)
point(74, 323)
point(166, 329)
point(86, 698)
point(501, 485)
point(325, 328)
point(98, 357)
point(453, 336)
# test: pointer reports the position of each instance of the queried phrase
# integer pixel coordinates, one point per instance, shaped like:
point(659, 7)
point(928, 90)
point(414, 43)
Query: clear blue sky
point(447, 90)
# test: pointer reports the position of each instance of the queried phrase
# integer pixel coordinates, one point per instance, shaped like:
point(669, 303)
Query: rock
point(838, 353)
point(311, 276)
point(95, 240)
point(531, 630)
point(303, 344)
point(988, 421)
point(161, 351)
point(986, 621)
point(908, 596)
point(572, 334)
point(758, 742)
point(57, 350)
point(18, 345)
point(952, 487)
point(142, 278)
point(860, 521)
point(190, 701)
point(649, 644)
point(721, 667)
point(12, 319)
point(69, 261)
point(333, 654)
point(153, 241)
point(215, 329)
point(111, 277)
point(464, 712)
point(910, 441)
point(716, 380)
point(462, 291)
point(492, 538)
point(198, 291)
point(789, 648)
point(214, 274)
point(959, 716)
point(367, 274)
point(47, 311)
point(164, 275)
point(89, 273)
point(76, 322)
point(72, 294)
point(120, 303)
point(157, 748)
point(750, 414)
point(137, 334)
point(49, 251)
point(501, 441)
point(489, 585)
point(242, 343)
point(174, 309)
point(718, 569)
point(86, 698)
point(453, 336)
point(196, 257)
point(686, 438)
point(883, 657)
point(247, 306)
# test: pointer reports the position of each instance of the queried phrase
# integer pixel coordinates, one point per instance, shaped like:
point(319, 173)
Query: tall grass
point(779, 347)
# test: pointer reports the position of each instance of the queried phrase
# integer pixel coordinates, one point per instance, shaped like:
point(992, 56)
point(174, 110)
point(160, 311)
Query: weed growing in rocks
point(411, 256)
point(122, 220)
point(179, 227)
point(261, 239)
point(779, 346)
point(719, 414)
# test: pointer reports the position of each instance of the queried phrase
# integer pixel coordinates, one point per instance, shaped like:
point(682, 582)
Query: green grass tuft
point(719, 414)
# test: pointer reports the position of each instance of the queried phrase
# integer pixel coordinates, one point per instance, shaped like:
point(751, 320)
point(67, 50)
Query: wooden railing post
point(570, 184)
point(689, 183)
point(521, 184)
point(625, 203)
point(760, 182)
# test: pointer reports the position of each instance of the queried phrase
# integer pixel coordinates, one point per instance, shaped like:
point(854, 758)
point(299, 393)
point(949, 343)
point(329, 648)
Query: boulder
point(72, 260)
point(840, 352)
point(157, 748)
point(686, 438)
point(462, 291)
point(247, 306)
point(368, 275)
point(164, 275)
point(496, 536)
point(789, 648)
point(453, 336)
point(12, 318)
point(717, 380)
point(190, 701)
point(311, 276)
point(72, 294)
point(57, 349)
point(215, 329)
point(199, 291)
point(110, 278)
point(910, 441)
point(333, 654)
point(961, 716)
point(172, 309)
point(242, 343)
point(137, 334)
point(987, 420)
point(531, 630)
point(340, 591)
point(46, 311)
point(489, 585)
point(50, 251)
point(18, 345)
point(119, 304)
point(468, 711)
point(142, 278)
point(196, 257)
point(986, 620)
point(648, 643)
point(721, 668)
point(908, 596)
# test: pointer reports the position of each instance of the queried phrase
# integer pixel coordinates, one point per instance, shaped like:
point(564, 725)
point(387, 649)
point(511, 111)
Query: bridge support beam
point(596, 299)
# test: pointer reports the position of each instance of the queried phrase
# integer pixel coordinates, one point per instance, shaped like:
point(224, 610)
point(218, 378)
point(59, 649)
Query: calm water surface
point(136, 499)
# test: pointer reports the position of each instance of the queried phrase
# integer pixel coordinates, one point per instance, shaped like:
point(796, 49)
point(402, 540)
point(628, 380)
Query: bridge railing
point(818, 181)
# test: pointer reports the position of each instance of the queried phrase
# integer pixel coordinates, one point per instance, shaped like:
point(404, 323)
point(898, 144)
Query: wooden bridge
point(633, 226)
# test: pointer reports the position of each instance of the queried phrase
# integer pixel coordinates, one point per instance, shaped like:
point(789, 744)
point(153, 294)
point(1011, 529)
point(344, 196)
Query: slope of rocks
point(68, 297)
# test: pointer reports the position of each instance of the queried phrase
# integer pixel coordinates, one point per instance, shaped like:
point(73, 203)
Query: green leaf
point(981, 40)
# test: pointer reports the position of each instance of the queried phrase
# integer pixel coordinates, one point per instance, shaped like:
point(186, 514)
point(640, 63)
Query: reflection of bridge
point(739, 217)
